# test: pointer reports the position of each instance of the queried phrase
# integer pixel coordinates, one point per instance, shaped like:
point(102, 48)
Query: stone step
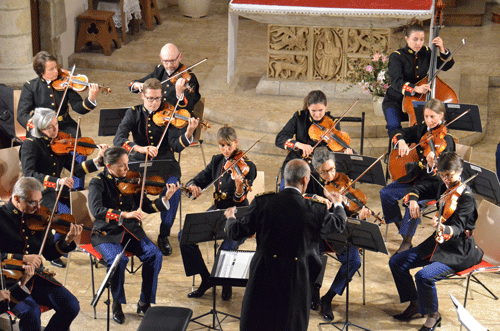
point(465, 13)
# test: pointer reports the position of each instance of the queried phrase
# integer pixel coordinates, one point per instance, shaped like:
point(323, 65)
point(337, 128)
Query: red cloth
point(346, 4)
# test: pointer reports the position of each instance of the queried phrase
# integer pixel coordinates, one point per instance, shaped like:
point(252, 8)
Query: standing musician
point(230, 190)
point(422, 169)
point(323, 162)
point(406, 67)
point(313, 111)
point(184, 87)
point(146, 136)
point(19, 242)
point(451, 250)
point(286, 262)
point(15, 290)
point(120, 216)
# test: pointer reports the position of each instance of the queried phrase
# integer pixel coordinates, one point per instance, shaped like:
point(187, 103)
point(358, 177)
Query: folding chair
point(166, 319)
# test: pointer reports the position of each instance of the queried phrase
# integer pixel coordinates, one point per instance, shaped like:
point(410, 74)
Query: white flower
point(381, 76)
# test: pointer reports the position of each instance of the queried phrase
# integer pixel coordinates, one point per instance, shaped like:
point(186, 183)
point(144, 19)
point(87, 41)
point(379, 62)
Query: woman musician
point(423, 167)
point(451, 250)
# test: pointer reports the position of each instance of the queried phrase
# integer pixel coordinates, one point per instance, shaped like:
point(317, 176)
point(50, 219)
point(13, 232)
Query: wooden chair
point(10, 171)
point(150, 12)
point(97, 26)
point(258, 186)
point(464, 151)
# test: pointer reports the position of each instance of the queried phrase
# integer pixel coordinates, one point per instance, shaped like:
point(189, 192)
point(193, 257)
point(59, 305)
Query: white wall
point(68, 38)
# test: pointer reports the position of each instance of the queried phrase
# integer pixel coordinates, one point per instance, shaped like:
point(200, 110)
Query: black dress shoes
point(326, 309)
point(204, 286)
point(118, 315)
point(407, 314)
point(142, 307)
point(58, 263)
point(227, 293)
point(164, 246)
point(315, 301)
point(437, 324)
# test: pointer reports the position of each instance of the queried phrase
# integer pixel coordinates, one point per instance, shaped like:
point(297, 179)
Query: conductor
point(288, 229)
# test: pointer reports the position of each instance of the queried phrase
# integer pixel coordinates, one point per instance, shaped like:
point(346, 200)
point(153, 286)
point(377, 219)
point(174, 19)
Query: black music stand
point(161, 168)
point(106, 283)
point(360, 234)
point(469, 122)
point(355, 165)
point(109, 120)
point(485, 184)
point(209, 226)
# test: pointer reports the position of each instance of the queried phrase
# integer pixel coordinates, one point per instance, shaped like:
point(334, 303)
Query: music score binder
point(232, 267)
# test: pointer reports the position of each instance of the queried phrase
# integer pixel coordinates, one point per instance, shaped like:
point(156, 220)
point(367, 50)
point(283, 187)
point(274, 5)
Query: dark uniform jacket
point(288, 230)
point(17, 294)
point(297, 126)
point(18, 240)
point(37, 93)
point(225, 188)
point(145, 132)
point(106, 203)
point(169, 94)
point(459, 251)
point(39, 161)
point(405, 69)
point(418, 170)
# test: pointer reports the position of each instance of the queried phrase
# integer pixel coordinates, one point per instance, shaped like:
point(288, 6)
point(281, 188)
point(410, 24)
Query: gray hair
point(321, 155)
point(295, 170)
point(41, 120)
point(25, 185)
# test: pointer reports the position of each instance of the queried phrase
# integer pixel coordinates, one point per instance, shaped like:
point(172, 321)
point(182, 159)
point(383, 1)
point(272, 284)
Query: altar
point(320, 41)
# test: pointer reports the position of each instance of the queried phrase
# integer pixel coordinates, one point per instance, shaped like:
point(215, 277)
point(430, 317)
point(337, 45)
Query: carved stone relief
point(288, 67)
point(289, 38)
point(328, 54)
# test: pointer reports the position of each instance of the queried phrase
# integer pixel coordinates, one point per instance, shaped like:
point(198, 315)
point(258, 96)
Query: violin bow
point(183, 71)
point(143, 185)
point(42, 246)
point(168, 124)
point(3, 289)
point(429, 133)
point(447, 60)
point(363, 173)
point(66, 91)
point(234, 162)
point(337, 121)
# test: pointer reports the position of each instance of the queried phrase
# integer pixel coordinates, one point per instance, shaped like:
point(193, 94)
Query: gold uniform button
point(165, 92)
point(26, 238)
point(152, 143)
point(275, 256)
point(416, 67)
point(51, 95)
point(53, 104)
point(54, 164)
point(149, 131)
point(296, 259)
point(150, 137)
point(48, 86)
point(53, 174)
point(149, 125)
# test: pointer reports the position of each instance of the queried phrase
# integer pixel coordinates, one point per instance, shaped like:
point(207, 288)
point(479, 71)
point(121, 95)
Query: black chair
point(166, 319)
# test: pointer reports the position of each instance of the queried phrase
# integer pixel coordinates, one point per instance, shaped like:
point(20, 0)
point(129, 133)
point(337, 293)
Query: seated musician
point(21, 243)
point(313, 111)
point(323, 162)
point(16, 290)
point(421, 169)
point(228, 192)
point(176, 88)
point(451, 249)
point(146, 134)
point(120, 216)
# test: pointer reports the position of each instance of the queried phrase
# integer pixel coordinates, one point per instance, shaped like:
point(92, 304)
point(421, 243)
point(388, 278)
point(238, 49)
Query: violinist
point(451, 250)
point(120, 217)
point(323, 162)
point(21, 243)
point(176, 88)
point(230, 190)
point(146, 135)
point(313, 111)
point(422, 169)
point(406, 67)
point(15, 289)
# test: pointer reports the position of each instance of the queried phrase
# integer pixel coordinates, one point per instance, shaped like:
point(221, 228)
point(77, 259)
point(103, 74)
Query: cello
point(439, 89)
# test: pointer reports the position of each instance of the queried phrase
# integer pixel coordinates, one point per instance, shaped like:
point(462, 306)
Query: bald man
point(175, 89)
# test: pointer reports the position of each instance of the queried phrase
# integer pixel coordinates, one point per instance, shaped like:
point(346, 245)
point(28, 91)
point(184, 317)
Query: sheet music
point(234, 264)
point(465, 317)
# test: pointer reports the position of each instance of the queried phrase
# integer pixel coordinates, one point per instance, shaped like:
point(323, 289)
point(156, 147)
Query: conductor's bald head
point(297, 174)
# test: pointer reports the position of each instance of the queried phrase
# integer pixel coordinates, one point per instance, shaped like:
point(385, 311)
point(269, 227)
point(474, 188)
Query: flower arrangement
point(373, 77)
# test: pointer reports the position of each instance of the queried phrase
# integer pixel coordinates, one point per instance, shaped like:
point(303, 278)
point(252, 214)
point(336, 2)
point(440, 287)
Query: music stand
point(161, 168)
point(354, 165)
point(485, 184)
point(202, 227)
point(360, 234)
point(106, 283)
point(469, 122)
point(109, 120)
point(465, 318)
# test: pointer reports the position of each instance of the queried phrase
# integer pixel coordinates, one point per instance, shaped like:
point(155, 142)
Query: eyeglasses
point(170, 61)
point(150, 99)
point(447, 175)
point(33, 203)
point(326, 172)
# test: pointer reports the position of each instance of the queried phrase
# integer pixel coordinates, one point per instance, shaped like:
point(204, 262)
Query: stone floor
point(475, 76)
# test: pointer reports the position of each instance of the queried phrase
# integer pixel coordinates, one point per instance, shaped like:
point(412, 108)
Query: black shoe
point(164, 245)
point(204, 286)
point(437, 324)
point(315, 301)
point(407, 314)
point(227, 293)
point(118, 315)
point(58, 263)
point(142, 307)
point(326, 309)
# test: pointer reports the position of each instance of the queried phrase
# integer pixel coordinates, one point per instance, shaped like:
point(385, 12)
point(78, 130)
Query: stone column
point(16, 50)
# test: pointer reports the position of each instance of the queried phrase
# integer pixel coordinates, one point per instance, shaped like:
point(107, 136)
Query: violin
point(64, 144)
point(133, 184)
point(336, 140)
point(356, 199)
point(180, 117)
point(184, 73)
point(447, 206)
point(79, 82)
point(13, 269)
point(239, 168)
point(61, 223)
